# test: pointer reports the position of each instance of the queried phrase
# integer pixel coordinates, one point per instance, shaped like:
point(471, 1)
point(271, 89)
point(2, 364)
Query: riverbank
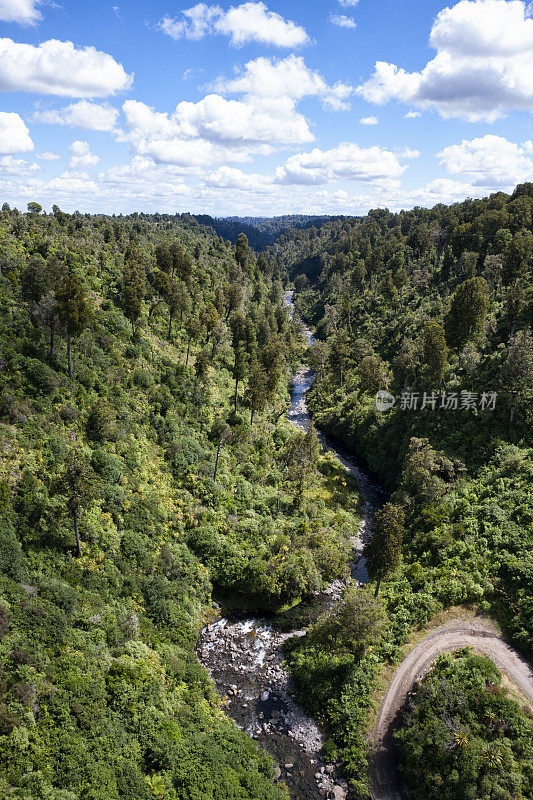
point(244, 653)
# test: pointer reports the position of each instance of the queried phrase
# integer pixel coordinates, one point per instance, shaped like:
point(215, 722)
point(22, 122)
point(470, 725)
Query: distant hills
point(261, 231)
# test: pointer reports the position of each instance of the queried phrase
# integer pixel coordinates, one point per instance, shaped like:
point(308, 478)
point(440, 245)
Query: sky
point(263, 108)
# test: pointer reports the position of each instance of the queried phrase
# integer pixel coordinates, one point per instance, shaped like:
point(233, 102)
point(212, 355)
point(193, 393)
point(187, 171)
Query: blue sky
point(263, 107)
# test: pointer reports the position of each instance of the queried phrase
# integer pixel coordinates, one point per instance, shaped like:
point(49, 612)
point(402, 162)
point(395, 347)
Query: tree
point(77, 484)
point(181, 263)
point(339, 353)
point(163, 258)
point(133, 285)
point(516, 373)
point(192, 328)
point(435, 350)
point(383, 551)
point(351, 625)
point(467, 313)
point(518, 257)
point(242, 251)
point(372, 375)
point(73, 310)
point(34, 208)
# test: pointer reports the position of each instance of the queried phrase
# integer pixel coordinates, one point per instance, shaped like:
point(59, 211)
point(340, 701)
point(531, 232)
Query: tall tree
point(73, 310)
point(516, 374)
point(383, 551)
point(467, 313)
point(77, 483)
point(435, 351)
point(133, 285)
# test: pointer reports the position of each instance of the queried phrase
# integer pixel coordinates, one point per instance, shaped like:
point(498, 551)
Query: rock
point(329, 769)
point(318, 775)
point(264, 696)
point(277, 773)
point(338, 793)
point(289, 766)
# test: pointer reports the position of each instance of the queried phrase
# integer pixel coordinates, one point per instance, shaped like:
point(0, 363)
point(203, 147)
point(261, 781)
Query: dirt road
point(477, 633)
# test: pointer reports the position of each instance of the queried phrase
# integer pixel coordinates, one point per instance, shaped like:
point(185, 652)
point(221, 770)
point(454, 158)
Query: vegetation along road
point(478, 633)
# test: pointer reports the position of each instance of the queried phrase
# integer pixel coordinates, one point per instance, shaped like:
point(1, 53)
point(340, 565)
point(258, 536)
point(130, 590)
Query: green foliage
point(463, 738)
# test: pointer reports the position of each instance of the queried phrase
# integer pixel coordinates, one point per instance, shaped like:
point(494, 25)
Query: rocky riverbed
point(244, 655)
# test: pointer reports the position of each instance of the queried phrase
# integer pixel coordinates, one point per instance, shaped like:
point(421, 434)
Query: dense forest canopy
point(432, 309)
point(148, 468)
point(146, 464)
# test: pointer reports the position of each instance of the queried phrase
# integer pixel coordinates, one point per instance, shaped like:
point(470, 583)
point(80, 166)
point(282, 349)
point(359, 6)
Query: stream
point(244, 653)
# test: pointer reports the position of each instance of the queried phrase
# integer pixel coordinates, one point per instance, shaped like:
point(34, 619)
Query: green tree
point(435, 350)
point(78, 485)
point(133, 285)
point(353, 624)
point(516, 374)
point(372, 374)
point(383, 551)
point(73, 310)
point(467, 313)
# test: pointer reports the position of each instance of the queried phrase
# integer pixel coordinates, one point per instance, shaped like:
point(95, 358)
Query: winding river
point(244, 653)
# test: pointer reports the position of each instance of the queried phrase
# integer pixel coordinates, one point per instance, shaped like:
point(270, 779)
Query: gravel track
point(477, 633)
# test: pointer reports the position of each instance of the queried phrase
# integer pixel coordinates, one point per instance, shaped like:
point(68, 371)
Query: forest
point(149, 471)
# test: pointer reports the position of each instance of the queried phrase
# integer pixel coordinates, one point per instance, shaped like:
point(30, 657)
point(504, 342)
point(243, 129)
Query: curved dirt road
point(477, 633)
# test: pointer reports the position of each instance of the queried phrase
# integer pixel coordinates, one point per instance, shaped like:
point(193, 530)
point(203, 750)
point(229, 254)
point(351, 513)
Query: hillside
point(433, 309)
point(147, 466)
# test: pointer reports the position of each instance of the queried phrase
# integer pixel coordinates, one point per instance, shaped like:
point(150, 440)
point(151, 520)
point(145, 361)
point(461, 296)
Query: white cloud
point(14, 135)
point(348, 3)
point(142, 177)
point(213, 130)
point(342, 21)
point(83, 114)
point(368, 121)
point(347, 161)
point(48, 156)
point(17, 166)
point(81, 156)
point(22, 11)
point(493, 161)
point(249, 22)
point(408, 152)
point(288, 77)
point(412, 115)
point(60, 68)
point(71, 183)
point(231, 178)
point(482, 68)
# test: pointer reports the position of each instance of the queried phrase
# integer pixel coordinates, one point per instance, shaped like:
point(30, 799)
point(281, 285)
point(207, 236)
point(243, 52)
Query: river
point(244, 653)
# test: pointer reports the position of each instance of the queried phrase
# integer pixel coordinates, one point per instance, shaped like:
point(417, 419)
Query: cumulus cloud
point(288, 77)
point(342, 21)
point(368, 121)
point(214, 129)
point(14, 135)
point(412, 115)
point(22, 11)
point(347, 161)
point(17, 166)
point(482, 68)
point(492, 161)
point(249, 22)
point(83, 114)
point(48, 156)
point(232, 178)
point(81, 156)
point(60, 68)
